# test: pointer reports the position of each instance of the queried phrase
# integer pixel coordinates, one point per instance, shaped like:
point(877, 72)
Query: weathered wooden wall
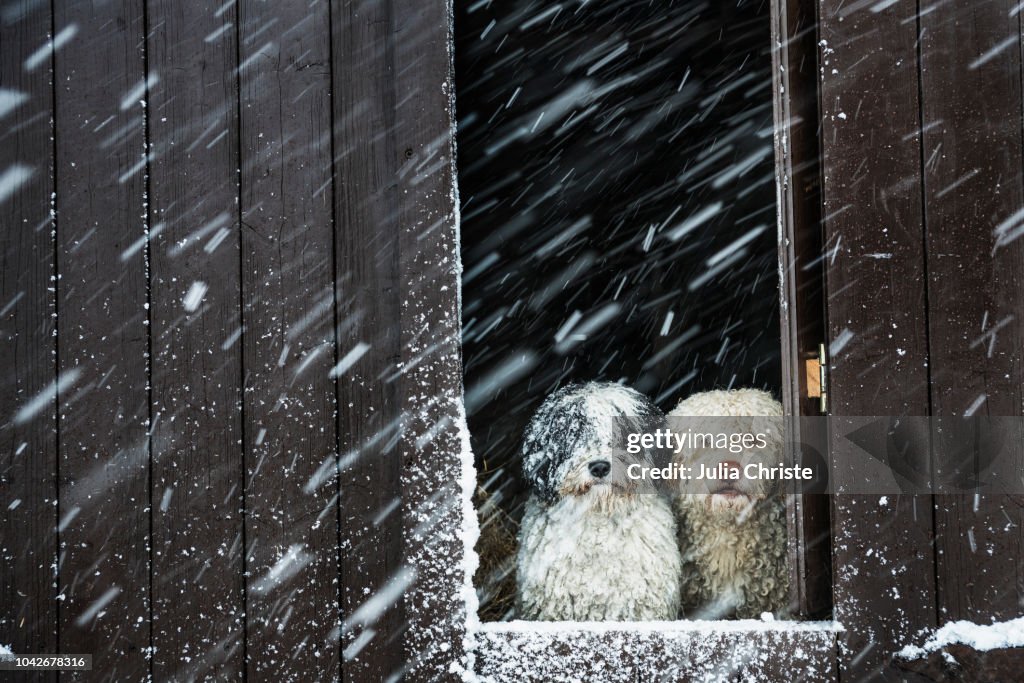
point(206, 207)
point(208, 213)
point(28, 439)
point(922, 169)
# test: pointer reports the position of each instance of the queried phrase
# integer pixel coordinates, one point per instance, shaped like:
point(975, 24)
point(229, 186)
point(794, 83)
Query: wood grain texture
point(802, 314)
point(103, 337)
point(958, 662)
point(303, 216)
point(367, 158)
point(431, 327)
point(197, 442)
point(875, 284)
point(971, 113)
point(287, 286)
point(28, 440)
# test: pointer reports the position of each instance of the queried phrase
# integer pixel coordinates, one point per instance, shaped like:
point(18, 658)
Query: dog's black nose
point(600, 468)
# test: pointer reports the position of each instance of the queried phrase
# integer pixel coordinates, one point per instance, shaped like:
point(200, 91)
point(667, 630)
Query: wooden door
point(922, 190)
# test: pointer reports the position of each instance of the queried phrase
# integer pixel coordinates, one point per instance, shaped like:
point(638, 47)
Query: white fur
point(733, 546)
point(592, 549)
point(592, 407)
point(580, 561)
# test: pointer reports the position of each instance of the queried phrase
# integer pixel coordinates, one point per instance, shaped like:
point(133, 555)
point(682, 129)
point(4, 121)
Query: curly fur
point(592, 548)
point(733, 544)
point(579, 563)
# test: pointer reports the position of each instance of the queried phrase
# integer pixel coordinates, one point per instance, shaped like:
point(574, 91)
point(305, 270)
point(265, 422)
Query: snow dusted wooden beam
point(960, 662)
point(437, 474)
point(400, 384)
point(965, 651)
point(620, 653)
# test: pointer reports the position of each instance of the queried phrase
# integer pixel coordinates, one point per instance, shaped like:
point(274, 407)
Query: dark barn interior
point(618, 212)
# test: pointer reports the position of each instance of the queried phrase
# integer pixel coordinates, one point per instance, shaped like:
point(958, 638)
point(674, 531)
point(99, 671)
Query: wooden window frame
point(444, 634)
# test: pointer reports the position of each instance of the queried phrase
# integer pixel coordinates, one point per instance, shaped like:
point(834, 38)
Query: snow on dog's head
point(569, 449)
point(733, 412)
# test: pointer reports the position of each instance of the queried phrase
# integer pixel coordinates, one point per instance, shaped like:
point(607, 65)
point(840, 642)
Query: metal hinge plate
point(816, 377)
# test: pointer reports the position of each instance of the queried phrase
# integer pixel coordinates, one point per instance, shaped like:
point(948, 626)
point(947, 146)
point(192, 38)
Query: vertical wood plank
point(28, 444)
point(876, 298)
point(802, 315)
point(971, 111)
point(799, 193)
point(431, 383)
point(198, 469)
point(103, 337)
point(287, 284)
point(367, 159)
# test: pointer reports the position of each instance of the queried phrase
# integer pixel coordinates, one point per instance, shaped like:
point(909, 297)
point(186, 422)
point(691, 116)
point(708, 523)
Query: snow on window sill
point(662, 627)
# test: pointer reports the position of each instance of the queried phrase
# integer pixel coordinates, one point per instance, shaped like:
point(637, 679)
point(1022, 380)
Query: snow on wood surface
point(705, 651)
point(664, 628)
point(982, 637)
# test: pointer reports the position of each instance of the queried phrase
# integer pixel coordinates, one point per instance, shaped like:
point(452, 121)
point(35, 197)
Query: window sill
point(746, 650)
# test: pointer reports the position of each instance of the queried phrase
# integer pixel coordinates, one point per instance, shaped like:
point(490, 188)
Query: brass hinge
point(816, 376)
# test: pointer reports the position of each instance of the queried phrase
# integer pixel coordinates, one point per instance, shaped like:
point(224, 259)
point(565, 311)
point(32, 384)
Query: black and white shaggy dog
point(732, 532)
point(593, 544)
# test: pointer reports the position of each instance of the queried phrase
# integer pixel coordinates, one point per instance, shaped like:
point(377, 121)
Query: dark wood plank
point(627, 655)
point(802, 315)
point(198, 469)
point(28, 444)
point(287, 285)
point(431, 382)
point(103, 340)
point(876, 301)
point(959, 662)
point(971, 109)
point(367, 159)
point(799, 194)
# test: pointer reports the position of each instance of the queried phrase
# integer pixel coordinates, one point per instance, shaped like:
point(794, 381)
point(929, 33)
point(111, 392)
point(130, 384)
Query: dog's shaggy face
point(569, 450)
point(742, 411)
point(591, 547)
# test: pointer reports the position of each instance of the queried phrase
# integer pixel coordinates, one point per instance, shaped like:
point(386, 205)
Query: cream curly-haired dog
point(593, 544)
point(732, 532)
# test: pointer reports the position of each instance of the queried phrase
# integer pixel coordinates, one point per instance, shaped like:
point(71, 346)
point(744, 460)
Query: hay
point(495, 579)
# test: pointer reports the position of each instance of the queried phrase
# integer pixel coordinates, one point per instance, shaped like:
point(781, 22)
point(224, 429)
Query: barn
point(282, 282)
